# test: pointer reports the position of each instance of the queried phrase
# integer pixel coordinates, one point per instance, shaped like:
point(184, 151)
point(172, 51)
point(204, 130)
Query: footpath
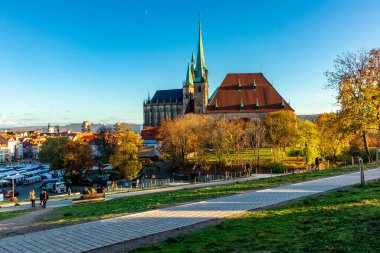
point(103, 233)
point(66, 202)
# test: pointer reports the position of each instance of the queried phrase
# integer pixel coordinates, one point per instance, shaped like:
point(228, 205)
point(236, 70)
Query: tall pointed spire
point(193, 62)
point(201, 63)
point(189, 76)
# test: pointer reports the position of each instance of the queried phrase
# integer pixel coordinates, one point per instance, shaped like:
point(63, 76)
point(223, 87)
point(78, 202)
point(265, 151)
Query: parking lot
point(24, 190)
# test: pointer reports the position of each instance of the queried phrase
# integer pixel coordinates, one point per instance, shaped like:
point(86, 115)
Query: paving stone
point(77, 238)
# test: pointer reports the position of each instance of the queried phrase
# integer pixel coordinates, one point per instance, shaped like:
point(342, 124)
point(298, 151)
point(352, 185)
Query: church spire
point(201, 63)
point(189, 76)
point(193, 62)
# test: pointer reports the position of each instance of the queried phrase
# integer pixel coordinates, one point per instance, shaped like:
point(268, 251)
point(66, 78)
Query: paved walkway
point(92, 235)
point(66, 202)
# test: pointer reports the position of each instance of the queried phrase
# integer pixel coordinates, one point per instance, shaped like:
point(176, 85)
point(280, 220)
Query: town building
point(11, 147)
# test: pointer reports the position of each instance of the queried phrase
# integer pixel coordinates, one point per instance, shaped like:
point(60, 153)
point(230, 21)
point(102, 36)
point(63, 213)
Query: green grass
point(122, 206)
point(342, 221)
point(248, 154)
point(12, 214)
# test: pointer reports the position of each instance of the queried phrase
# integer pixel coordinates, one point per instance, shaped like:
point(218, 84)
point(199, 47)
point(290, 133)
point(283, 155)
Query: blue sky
point(69, 61)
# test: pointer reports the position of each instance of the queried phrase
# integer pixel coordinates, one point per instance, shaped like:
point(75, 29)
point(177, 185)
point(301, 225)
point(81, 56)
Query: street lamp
point(13, 188)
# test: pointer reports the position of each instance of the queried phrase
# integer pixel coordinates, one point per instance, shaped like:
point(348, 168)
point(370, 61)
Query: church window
point(200, 88)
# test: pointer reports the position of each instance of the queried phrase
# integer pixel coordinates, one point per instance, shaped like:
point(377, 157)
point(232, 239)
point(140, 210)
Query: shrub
point(295, 153)
point(276, 167)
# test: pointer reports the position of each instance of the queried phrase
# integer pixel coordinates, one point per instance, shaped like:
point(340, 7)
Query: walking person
point(317, 163)
point(45, 197)
point(32, 196)
point(41, 197)
point(69, 191)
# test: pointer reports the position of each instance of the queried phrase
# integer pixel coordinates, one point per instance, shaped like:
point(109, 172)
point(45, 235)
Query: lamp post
point(13, 188)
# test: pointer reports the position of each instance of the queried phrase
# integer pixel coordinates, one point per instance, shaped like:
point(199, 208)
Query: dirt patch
point(21, 224)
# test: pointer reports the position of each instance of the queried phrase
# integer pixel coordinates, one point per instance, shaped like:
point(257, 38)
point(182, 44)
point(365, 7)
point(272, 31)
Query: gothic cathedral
point(192, 98)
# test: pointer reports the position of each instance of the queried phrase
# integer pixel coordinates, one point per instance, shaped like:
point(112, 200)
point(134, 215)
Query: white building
point(12, 145)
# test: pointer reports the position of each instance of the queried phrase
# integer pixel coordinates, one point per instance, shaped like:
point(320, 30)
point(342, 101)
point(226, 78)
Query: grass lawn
point(342, 221)
point(12, 214)
point(249, 153)
point(122, 206)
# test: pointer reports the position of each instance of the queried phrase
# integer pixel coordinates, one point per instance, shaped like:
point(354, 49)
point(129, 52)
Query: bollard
point(362, 182)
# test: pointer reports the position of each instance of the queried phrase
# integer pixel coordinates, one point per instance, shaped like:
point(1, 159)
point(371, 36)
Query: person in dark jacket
point(45, 197)
point(41, 197)
point(317, 163)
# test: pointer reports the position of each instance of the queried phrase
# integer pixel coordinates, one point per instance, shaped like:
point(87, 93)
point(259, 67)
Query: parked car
point(48, 181)
point(60, 187)
point(56, 187)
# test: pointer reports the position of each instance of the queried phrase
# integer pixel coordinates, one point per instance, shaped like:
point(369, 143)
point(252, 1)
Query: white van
point(57, 187)
point(60, 187)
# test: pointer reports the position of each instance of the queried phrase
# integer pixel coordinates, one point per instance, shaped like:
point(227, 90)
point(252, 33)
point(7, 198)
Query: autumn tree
point(356, 79)
point(281, 131)
point(255, 134)
point(77, 159)
point(332, 139)
point(50, 152)
point(183, 136)
point(125, 160)
point(106, 143)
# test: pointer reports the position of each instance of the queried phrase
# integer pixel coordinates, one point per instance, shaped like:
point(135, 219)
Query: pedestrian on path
point(32, 196)
point(317, 163)
point(69, 191)
point(45, 197)
point(41, 197)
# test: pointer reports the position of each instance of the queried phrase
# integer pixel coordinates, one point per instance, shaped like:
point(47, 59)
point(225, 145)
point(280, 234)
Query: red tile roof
point(229, 97)
point(149, 133)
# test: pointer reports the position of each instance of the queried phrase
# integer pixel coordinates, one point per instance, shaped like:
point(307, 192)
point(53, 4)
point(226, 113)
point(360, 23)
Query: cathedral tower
point(188, 89)
point(201, 78)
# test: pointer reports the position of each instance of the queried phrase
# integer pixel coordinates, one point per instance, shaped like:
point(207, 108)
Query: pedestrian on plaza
point(45, 197)
point(69, 191)
point(41, 197)
point(317, 163)
point(32, 196)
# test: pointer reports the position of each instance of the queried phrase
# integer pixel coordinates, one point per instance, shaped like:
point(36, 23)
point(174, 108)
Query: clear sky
point(69, 61)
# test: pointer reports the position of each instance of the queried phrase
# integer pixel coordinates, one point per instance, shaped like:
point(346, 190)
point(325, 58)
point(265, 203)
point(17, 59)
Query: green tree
point(356, 78)
point(125, 161)
point(50, 152)
point(77, 159)
point(309, 138)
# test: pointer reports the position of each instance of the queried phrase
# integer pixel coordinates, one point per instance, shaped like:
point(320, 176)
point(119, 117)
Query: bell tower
point(201, 78)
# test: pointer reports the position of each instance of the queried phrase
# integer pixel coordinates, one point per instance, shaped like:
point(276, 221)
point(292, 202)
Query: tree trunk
point(366, 145)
